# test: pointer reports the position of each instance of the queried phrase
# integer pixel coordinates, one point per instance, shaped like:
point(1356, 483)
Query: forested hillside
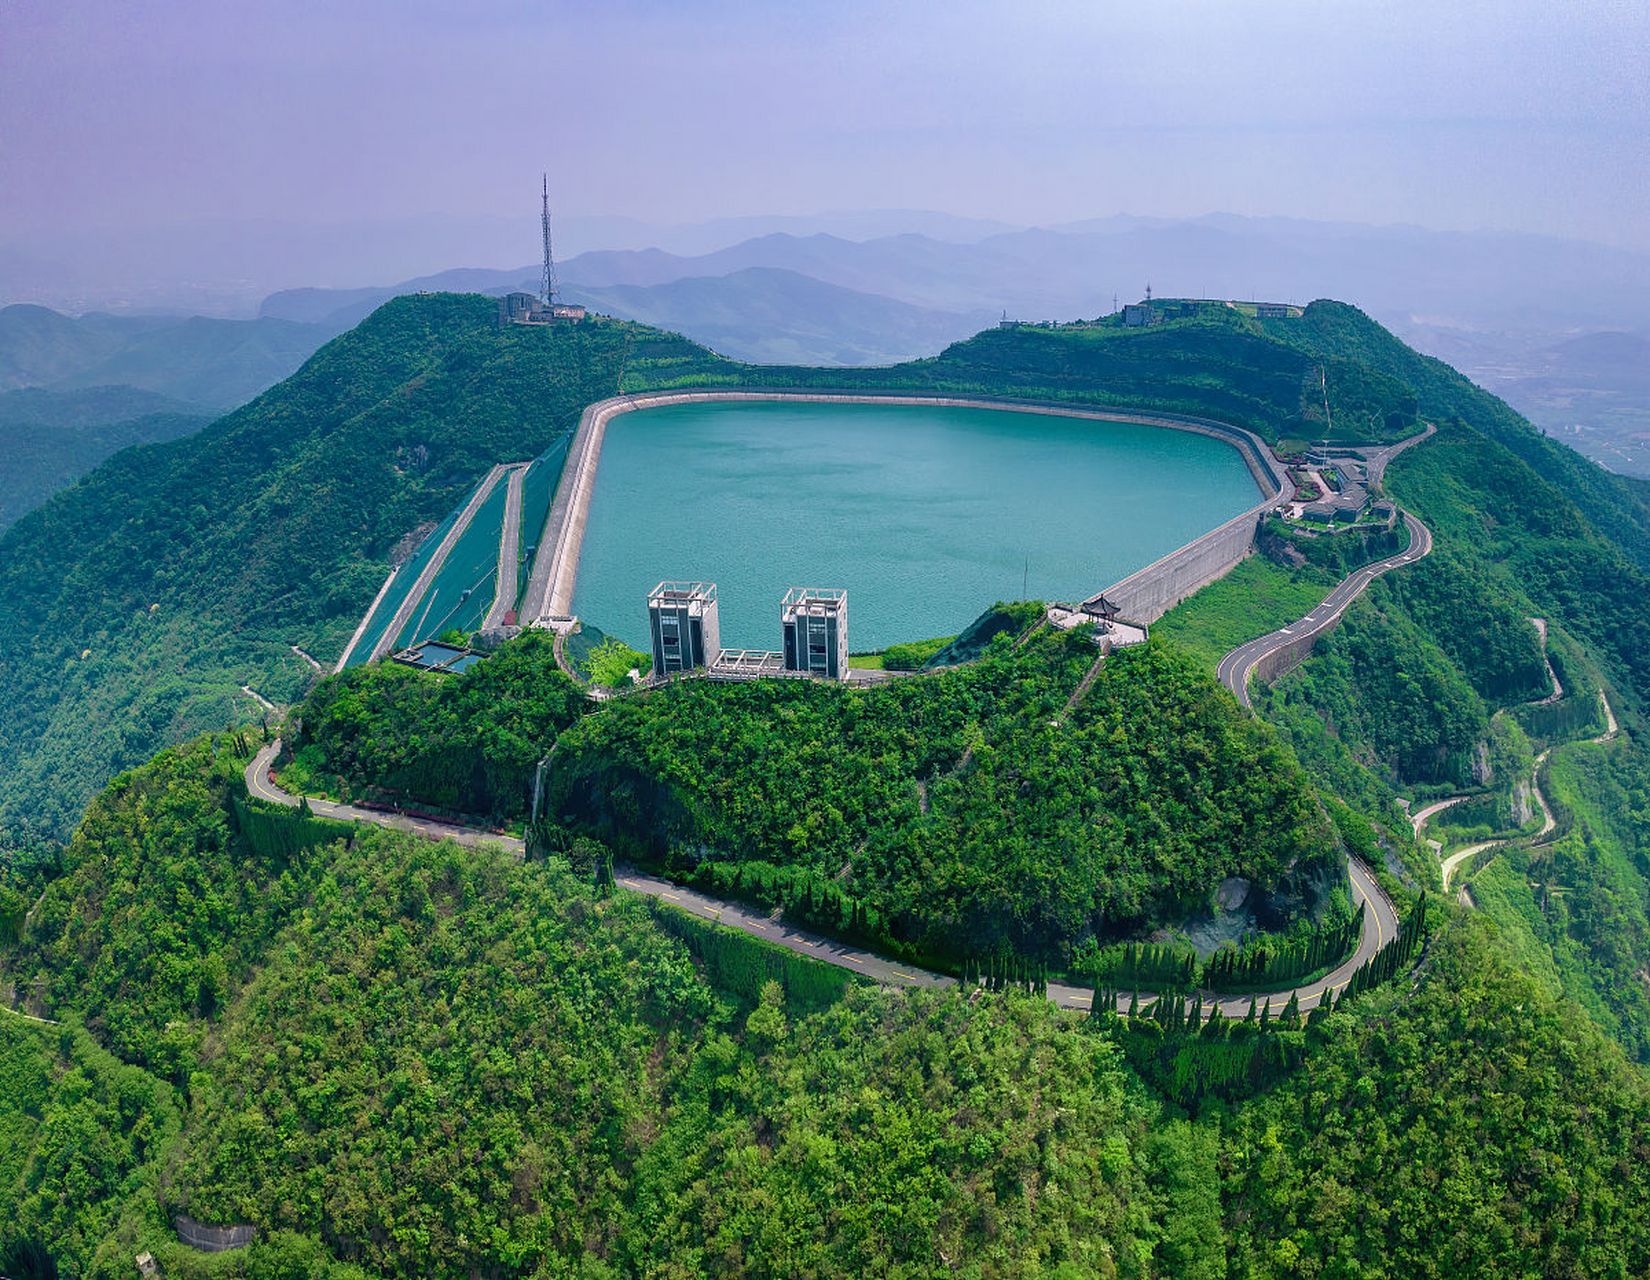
point(141, 602)
point(957, 816)
point(961, 810)
point(209, 363)
point(50, 438)
point(400, 1058)
point(395, 1057)
point(1425, 690)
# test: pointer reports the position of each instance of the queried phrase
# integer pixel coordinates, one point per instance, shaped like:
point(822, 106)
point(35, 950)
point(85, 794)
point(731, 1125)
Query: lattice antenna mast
point(547, 285)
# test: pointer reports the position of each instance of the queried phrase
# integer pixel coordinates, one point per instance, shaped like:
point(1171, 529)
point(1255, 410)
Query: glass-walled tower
point(681, 616)
point(816, 631)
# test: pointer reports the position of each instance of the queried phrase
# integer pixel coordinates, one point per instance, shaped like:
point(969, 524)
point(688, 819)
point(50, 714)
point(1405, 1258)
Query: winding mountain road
point(1238, 665)
point(1380, 920)
point(1448, 866)
point(1420, 817)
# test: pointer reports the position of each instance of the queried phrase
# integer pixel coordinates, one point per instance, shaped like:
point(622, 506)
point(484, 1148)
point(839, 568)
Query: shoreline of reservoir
point(1145, 594)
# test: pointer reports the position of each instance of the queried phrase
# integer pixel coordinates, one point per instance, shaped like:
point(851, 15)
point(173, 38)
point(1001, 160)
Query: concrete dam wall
point(1144, 596)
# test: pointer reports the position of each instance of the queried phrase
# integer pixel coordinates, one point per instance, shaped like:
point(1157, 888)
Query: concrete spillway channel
point(421, 587)
point(509, 551)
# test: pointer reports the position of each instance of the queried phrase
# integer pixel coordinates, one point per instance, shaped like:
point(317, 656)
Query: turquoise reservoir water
point(926, 515)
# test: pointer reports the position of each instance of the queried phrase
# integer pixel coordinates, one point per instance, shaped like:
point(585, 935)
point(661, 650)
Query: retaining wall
point(1146, 595)
point(207, 1239)
point(1291, 655)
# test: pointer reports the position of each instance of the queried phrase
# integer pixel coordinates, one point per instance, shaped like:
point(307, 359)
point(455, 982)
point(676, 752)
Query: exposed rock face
point(1240, 907)
point(1232, 893)
point(1481, 771)
point(1523, 811)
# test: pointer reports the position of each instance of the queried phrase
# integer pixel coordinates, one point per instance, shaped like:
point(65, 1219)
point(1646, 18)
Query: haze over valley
point(989, 640)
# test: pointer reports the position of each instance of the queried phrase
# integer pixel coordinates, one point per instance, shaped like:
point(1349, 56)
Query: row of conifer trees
point(1278, 963)
point(1192, 1052)
point(281, 834)
point(739, 963)
point(1161, 966)
point(806, 897)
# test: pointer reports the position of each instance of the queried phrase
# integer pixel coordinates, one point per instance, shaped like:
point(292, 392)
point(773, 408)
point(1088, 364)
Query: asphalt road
point(1419, 818)
point(509, 550)
point(1381, 921)
point(1449, 865)
point(1236, 667)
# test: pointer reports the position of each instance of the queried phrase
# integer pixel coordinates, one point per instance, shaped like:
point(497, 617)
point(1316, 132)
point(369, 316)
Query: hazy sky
point(1449, 113)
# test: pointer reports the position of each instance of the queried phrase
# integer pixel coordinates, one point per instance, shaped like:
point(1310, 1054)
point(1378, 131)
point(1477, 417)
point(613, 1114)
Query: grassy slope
point(1256, 597)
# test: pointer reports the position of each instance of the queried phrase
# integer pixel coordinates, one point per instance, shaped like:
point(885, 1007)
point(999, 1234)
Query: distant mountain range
point(49, 439)
point(1497, 305)
point(1422, 279)
point(205, 363)
point(76, 389)
point(883, 286)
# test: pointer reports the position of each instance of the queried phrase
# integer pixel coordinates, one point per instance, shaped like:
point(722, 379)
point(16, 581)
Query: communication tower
point(547, 285)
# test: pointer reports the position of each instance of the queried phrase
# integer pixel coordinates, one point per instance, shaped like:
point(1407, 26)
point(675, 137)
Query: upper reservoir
point(925, 514)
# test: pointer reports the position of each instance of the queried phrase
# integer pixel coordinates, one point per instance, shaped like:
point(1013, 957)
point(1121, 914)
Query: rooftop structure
point(816, 631)
point(1102, 607)
point(683, 621)
point(748, 664)
point(524, 308)
point(432, 655)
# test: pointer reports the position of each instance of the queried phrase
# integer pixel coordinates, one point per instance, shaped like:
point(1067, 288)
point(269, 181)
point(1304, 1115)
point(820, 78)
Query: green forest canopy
point(433, 1061)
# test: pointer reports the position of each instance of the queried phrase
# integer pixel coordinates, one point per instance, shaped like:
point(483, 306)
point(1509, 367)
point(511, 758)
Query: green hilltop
point(397, 1057)
point(141, 601)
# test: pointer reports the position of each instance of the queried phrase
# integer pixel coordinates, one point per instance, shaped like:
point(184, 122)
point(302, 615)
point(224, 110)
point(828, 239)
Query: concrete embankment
point(1145, 596)
point(1151, 591)
point(403, 615)
point(361, 627)
point(509, 550)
